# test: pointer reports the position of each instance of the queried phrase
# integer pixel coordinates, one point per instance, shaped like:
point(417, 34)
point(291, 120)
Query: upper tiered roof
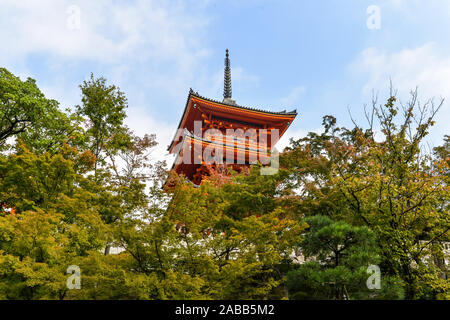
point(280, 119)
point(228, 109)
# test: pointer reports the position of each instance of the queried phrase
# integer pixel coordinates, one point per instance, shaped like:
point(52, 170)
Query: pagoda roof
point(190, 138)
point(259, 113)
point(195, 94)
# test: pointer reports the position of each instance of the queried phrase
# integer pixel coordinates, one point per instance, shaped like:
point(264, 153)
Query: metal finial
point(227, 78)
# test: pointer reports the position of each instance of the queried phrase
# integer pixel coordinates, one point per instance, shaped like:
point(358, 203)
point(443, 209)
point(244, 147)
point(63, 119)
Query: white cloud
point(424, 67)
point(108, 30)
point(408, 68)
point(143, 46)
point(293, 96)
point(414, 4)
point(161, 41)
point(141, 122)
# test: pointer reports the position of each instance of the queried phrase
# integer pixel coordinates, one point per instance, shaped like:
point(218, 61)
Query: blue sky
point(319, 57)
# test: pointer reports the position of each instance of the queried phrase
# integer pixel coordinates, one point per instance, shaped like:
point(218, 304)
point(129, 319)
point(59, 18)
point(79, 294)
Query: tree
point(75, 184)
point(218, 248)
point(62, 214)
point(385, 183)
point(104, 106)
point(442, 153)
point(340, 256)
point(22, 105)
point(54, 224)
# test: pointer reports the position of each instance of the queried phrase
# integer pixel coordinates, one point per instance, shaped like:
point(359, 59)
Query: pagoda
point(214, 137)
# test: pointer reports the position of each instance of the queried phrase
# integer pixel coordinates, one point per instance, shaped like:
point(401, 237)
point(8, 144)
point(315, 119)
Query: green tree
point(22, 106)
point(385, 183)
point(206, 242)
point(339, 254)
point(54, 224)
point(104, 108)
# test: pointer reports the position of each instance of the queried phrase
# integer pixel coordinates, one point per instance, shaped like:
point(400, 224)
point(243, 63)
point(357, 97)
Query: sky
point(319, 57)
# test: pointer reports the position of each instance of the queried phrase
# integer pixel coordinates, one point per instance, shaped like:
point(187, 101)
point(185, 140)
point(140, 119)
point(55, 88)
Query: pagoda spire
point(227, 80)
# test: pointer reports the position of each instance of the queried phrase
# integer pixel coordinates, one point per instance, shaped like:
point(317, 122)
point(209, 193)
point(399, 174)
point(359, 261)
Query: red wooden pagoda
point(215, 136)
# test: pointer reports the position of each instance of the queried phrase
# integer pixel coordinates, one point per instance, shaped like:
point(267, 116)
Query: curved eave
point(251, 112)
point(206, 142)
point(290, 114)
point(190, 140)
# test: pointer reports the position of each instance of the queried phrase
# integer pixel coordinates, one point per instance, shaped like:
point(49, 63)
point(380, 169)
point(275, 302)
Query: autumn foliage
point(80, 188)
